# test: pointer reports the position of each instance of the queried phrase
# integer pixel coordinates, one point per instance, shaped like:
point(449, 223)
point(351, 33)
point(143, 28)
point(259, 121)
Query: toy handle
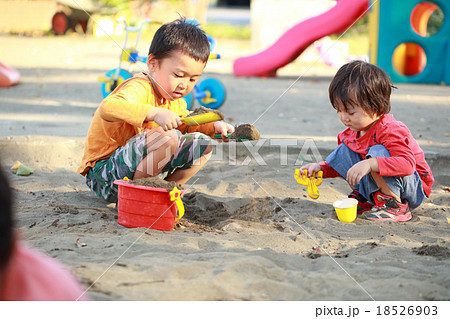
point(156, 124)
point(144, 22)
point(122, 20)
point(180, 207)
point(219, 136)
point(214, 56)
point(313, 191)
point(175, 195)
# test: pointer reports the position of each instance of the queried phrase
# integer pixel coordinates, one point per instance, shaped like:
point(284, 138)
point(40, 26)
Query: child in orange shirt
point(122, 140)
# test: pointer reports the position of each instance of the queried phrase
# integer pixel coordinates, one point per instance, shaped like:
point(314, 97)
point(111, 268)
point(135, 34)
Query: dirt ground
point(250, 232)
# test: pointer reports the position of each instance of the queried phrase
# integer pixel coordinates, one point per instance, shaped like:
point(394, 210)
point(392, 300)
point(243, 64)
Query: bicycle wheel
point(189, 100)
point(217, 90)
point(123, 75)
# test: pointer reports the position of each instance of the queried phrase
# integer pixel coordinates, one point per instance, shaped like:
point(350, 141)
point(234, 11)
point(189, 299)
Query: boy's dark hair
point(359, 83)
point(6, 220)
point(180, 35)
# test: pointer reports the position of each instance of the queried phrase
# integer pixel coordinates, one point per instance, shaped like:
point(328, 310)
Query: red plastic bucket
point(143, 206)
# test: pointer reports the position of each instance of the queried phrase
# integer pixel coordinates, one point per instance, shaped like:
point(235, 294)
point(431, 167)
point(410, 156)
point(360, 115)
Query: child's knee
point(206, 145)
point(208, 151)
point(378, 151)
point(172, 139)
point(158, 138)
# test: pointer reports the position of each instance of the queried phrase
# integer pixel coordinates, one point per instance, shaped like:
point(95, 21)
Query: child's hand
point(167, 119)
point(312, 168)
point(220, 127)
point(361, 169)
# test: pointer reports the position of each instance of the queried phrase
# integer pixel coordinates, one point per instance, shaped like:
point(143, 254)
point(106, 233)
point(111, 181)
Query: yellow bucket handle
point(175, 195)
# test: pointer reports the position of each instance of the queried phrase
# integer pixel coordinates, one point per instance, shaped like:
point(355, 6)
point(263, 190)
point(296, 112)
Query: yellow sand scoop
point(312, 182)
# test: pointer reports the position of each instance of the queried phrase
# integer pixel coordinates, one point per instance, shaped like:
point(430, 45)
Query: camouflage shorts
point(124, 161)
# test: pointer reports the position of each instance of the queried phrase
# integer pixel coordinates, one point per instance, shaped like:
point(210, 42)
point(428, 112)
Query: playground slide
point(8, 76)
point(295, 40)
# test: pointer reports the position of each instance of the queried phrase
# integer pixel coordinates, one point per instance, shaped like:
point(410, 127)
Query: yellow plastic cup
point(346, 209)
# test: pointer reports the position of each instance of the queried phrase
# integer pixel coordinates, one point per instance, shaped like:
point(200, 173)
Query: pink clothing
point(31, 275)
point(406, 154)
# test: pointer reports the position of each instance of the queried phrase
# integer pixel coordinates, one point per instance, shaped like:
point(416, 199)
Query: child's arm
point(400, 143)
point(401, 146)
point(361, 169)
point(119, 110)
point(167, 119)
point(312, 168)
point(129, 104)
point(220, 127)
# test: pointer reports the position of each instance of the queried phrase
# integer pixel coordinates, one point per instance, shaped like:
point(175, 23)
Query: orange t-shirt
point(122, 114)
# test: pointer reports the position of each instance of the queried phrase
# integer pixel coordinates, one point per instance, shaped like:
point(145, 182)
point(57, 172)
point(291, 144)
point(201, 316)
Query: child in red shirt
point(377, 155)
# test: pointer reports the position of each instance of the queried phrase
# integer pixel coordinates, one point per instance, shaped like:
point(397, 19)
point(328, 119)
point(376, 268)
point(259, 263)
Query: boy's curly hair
point(362, 84)
point(180, 35)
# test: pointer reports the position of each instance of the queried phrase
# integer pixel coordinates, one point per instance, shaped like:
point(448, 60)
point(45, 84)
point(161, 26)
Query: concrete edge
point(66, 152)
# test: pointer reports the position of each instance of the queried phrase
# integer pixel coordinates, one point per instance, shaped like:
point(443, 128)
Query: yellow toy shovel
point(312, 182)
point(199, 119)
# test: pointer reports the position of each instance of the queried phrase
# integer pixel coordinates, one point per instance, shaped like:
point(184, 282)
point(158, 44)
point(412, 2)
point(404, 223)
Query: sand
point(245, 132)
point(155, 182)
point(250, 232)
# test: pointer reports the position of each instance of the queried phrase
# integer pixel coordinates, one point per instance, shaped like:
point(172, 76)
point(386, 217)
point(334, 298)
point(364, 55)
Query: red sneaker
point(387, 208)
point(363, 204)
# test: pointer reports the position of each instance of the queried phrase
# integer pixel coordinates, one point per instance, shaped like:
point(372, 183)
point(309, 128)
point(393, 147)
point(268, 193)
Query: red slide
point(295, 40)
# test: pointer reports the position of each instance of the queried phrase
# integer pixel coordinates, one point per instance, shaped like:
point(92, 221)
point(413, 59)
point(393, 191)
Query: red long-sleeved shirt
point(406, 154)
